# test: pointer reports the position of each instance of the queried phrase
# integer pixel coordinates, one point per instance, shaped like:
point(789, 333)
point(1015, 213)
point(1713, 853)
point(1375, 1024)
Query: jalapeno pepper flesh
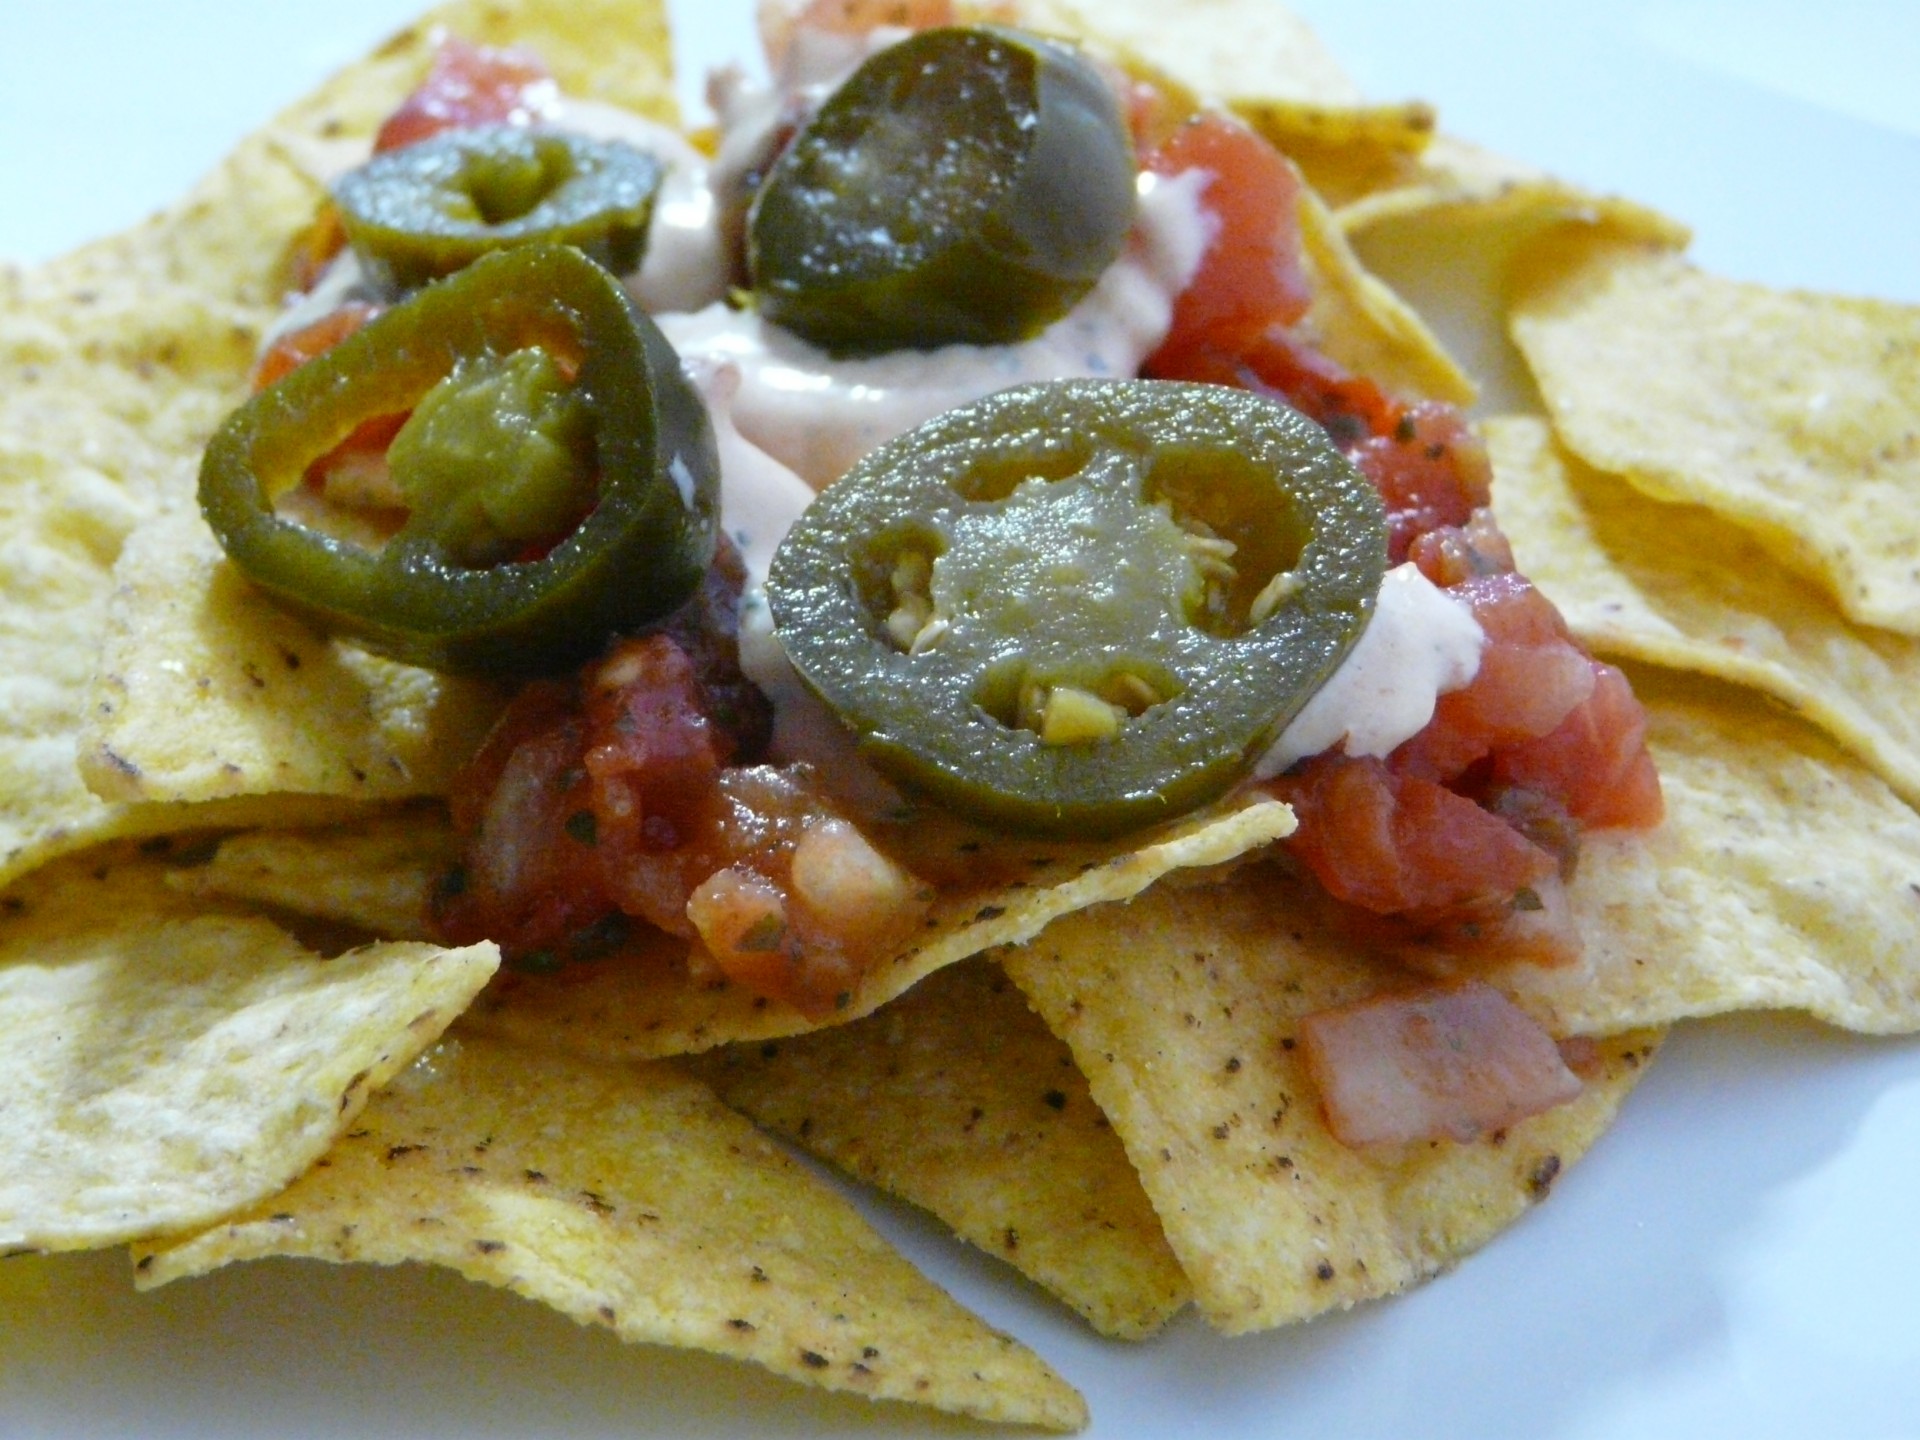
point(426, 210)
point(625, 449)
point(1086, 606)
point(967, 185)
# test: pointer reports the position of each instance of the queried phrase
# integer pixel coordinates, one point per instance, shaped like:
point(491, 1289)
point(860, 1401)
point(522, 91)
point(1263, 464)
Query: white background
point(1739, 1257)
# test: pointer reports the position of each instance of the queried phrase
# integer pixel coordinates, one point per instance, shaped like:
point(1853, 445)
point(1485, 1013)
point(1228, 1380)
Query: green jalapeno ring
point(636, 556)
point(1219, 683)
point(967, 185)
point(423, 211)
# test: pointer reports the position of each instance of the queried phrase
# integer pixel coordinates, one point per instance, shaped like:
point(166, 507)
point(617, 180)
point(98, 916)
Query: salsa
point(638, 790)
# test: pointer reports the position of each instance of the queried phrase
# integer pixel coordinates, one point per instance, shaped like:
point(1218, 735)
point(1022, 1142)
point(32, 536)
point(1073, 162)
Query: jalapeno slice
point(552, 425)
point(423, 211)
point(1084, 606)
point(964, 185)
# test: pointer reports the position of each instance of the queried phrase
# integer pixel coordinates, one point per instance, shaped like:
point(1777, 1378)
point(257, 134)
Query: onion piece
point(1453, 1060)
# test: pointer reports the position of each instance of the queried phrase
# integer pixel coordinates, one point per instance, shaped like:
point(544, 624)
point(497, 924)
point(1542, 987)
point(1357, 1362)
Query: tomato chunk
point(1393, 843)
point(618, 799)
point(1249, 278)
point(470, 84)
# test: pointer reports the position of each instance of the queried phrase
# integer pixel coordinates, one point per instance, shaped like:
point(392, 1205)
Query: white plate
point(1738, 1257)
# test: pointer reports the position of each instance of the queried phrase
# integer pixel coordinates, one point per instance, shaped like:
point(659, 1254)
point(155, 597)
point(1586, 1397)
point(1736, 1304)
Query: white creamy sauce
point(1420, 644)
point(818, 415)
point(759, 501)
point(685, 265)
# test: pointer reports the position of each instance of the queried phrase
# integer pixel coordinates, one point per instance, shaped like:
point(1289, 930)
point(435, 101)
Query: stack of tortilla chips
point(222, 1036)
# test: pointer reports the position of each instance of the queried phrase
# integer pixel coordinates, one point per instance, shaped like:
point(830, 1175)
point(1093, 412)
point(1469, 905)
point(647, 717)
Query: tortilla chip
point(1181, 1007)
point(1357, 320)
point(374, 877)
point(957, 1098)
point(644, 1007)
point(165, 1067)
point(1445, 238)
point(1788, 413)
point(1786, 876)
point(208, 689)
point(630, 1197)
point(1672, 585)
point(95, 411)
point(1255, 58)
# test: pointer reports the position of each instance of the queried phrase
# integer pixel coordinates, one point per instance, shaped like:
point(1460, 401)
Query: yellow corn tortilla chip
point(1786, 876)
point(374, 876)
point(1255, 58)
point(1445, 239)
point(1790, 414)
point(1180, 1008)
point(100, 400)
point(629, 1197)
point(1673, 585)
point(1358, 320)
point(165, 1067)
point(206, 690)
point(629, 1010)
point(958, 1098)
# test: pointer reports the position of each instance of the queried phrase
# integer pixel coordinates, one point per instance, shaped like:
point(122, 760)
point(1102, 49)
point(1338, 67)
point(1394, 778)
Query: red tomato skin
point(469, 84)
point(1250, 278)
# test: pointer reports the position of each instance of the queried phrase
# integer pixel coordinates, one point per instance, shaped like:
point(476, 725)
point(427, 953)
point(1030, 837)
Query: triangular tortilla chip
point(163, 1067)
point(1786, 876)
point(958, 1098)
point(1674, 585)
point(1181, 1009)
point(1788, 413)
point(375, 876)
point(205, 690)
point(629, 1197)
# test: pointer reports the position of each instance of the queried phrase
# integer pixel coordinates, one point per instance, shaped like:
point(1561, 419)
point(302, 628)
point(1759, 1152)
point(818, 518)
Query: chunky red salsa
point(1457, 843)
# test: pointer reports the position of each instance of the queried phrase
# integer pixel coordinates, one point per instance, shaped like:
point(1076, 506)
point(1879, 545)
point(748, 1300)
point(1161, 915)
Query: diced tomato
point(1452, 554)
point(1431, 470)
point(1449, 1061)
point(291, 351)
point(1531, 677)
point(1250, 278)
point(470, 84)
point(653, 760)
point(1595, 762)
point(1394, 843)
point(527, 878)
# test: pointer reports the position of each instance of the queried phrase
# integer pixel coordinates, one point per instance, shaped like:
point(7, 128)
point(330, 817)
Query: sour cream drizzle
point(1420, 644)
point(818, 415)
